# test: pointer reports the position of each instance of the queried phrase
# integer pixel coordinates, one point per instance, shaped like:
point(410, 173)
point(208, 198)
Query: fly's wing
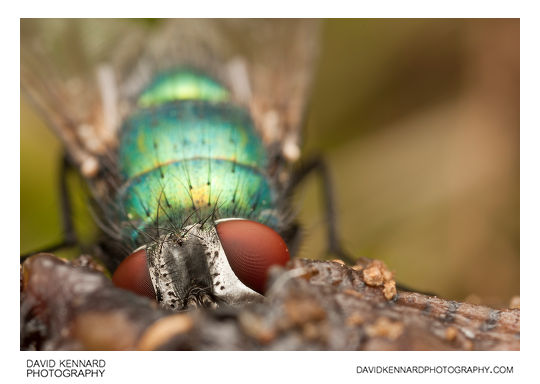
point(68, 74)
point(85, 75)
point(280, 56)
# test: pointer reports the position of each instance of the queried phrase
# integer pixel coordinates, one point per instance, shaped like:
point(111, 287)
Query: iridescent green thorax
point(186, 156)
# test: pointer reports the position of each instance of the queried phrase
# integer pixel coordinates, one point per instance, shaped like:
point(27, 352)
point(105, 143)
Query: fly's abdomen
point(188, 154)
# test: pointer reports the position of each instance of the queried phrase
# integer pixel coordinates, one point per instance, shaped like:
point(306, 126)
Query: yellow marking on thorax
point(200, 195)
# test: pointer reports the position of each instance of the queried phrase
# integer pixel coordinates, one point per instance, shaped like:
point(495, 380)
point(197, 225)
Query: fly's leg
point(70, 237)
point(318, 166)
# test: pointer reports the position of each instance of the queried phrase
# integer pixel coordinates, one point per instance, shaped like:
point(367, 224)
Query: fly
point(188, 137)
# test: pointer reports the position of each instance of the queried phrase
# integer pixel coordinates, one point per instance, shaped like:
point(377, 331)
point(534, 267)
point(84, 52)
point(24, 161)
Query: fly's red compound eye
point(251, 249)
point(132, 274)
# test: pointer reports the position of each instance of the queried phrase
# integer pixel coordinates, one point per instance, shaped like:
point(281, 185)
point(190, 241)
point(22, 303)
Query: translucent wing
point(84, 75)
point(67, 72)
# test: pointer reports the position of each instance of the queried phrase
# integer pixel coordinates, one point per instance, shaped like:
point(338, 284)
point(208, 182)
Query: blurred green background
point(419, 121)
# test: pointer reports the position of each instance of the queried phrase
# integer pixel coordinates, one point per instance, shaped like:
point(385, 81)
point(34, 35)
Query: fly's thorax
point(191, 269)
point(189, 153)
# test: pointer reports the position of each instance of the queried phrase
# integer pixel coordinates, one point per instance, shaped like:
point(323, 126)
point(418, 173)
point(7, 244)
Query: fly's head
point(204, 265)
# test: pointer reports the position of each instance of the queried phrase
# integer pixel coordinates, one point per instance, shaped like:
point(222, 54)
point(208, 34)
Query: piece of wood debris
point(310, 305)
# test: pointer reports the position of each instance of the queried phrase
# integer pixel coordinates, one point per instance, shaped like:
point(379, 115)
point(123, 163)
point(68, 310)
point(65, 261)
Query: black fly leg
point(318, 165)
point(70, 237)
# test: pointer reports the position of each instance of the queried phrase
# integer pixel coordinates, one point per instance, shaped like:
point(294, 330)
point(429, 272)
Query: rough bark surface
point(311, 305)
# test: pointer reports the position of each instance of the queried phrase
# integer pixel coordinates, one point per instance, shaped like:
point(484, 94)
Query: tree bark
point(310, 305)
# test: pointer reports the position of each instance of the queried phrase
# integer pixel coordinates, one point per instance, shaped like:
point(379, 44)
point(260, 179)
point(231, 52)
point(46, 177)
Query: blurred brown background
point(419, 120)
